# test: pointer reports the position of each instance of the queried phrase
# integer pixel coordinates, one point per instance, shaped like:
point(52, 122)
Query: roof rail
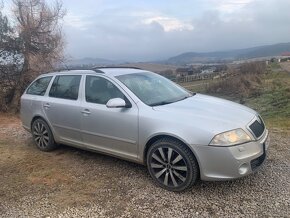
point(74, 68)
point(68, 69)
point(96, 68)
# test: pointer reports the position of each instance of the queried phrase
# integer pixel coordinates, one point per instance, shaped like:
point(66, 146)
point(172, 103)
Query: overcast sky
point(155, 29)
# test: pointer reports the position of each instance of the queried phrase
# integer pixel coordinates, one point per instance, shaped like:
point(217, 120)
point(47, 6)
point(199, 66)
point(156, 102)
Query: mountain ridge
point(246, 53)
point(198, 57)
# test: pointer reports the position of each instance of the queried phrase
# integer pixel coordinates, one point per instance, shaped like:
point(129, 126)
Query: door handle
point(86, 112)
point(47, 105)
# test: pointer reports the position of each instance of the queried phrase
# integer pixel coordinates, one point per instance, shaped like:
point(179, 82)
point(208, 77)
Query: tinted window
point(39, 86)
point(100, 90)
point(66, 87)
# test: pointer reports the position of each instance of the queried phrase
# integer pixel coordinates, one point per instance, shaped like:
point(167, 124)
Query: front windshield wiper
point(169, 102)
point(185, 97)
point(161, 103)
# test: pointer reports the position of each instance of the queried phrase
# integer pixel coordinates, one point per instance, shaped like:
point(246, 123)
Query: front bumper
point(225, 163)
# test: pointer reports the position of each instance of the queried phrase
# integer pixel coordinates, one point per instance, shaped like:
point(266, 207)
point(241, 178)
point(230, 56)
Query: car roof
point(109, 71)
point(119, 71)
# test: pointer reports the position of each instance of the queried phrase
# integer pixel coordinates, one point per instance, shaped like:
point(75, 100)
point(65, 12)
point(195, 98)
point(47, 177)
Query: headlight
point(233, 137)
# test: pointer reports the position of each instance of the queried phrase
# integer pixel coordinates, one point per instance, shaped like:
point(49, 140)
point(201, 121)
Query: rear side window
point(39, 86)
point(66, 86)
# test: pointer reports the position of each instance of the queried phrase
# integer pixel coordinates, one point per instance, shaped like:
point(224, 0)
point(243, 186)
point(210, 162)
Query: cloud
point(148, 34)
point(230, 6)
point(169, 23)
point(77, 21)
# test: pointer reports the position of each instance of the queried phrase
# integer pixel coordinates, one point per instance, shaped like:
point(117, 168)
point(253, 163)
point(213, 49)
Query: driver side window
point(100, 90)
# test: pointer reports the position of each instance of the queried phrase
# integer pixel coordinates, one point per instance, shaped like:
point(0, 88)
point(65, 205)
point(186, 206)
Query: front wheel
point(172, 165)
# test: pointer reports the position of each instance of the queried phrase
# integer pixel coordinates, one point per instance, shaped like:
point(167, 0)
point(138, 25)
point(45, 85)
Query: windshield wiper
point(161, 103)
point(169, 102)
point(184, 98)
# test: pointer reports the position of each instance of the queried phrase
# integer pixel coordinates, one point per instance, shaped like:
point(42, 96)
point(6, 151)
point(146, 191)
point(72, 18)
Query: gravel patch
point(74, 183)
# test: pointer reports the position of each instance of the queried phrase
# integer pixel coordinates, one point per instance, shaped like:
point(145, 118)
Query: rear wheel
point(172, 165)
point(42, 135)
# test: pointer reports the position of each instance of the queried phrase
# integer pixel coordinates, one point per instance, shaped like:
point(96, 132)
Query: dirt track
point(71, 183)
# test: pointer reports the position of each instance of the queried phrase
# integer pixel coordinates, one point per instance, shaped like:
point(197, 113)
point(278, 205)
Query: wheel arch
point(41, 117)
point(38, 117)
point(156, 137)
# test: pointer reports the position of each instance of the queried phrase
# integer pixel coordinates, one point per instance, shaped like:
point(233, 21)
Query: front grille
point(257, 127)
point(259, 160)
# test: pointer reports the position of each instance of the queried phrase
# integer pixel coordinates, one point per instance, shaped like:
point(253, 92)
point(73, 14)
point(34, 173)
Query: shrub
point(245, 81)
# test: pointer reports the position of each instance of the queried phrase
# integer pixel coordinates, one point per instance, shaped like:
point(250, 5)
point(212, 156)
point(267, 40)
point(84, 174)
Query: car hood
point(211, 113)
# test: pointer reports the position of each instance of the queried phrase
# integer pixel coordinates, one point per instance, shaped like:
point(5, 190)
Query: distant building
point(287, 53)
point(286, 59)
point(273, 60)
point(208, 70)
point(185, 71)
point(181, 71)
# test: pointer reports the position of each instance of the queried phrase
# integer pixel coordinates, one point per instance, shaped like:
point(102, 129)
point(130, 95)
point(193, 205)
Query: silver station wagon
point(143, 117)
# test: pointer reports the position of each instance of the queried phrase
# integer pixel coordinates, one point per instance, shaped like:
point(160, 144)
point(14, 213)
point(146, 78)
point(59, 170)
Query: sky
point(135, 30)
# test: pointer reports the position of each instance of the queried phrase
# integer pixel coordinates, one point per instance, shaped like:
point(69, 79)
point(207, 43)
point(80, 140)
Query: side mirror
point(116, 103)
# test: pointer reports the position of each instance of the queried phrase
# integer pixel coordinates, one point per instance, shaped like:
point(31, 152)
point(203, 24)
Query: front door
point(109, 130)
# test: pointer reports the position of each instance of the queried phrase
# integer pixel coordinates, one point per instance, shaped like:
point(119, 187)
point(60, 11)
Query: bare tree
point(41, 41)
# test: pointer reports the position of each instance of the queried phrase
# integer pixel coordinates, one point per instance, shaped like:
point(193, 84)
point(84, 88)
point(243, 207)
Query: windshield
point(153, 89)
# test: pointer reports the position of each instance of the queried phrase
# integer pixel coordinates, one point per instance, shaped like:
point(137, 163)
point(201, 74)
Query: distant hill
point(191, 57)
point(255, 52)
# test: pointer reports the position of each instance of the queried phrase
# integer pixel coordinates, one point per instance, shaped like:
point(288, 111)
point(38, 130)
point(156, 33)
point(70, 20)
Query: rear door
point(111, 130)
point(62, 108)
point(32, 99)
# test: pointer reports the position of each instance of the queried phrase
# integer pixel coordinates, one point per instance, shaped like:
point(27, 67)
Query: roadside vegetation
point(274, 100)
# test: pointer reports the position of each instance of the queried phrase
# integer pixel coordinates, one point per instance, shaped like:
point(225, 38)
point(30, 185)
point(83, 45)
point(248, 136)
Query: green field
point(273, 101)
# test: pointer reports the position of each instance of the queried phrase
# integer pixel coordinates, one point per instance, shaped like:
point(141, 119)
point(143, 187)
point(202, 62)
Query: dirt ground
point(70, 182)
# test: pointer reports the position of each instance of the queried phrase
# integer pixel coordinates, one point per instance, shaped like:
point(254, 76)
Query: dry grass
point(285, 66)
point(69, 175)
point(152, 66)
point(242, 86)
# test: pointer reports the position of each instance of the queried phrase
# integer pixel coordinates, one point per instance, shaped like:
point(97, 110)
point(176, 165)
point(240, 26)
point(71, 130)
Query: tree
point(40, 40)
point(9, 45)
point(10, 59)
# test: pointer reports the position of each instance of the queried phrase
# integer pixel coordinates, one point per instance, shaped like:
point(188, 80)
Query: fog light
point(243, 169)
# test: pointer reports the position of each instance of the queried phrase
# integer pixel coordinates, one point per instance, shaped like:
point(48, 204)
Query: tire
point(42, 135)
point(172, 165)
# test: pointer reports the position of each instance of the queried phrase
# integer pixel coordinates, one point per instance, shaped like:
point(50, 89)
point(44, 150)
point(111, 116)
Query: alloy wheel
point(169, 167)
point(41, 135)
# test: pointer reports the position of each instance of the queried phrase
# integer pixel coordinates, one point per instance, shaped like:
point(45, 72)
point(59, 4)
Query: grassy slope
point(273, 103)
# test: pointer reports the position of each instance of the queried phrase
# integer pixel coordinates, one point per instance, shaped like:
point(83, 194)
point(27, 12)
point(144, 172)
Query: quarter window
point(39, 86)
point(100, 90)
point(66, 86)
